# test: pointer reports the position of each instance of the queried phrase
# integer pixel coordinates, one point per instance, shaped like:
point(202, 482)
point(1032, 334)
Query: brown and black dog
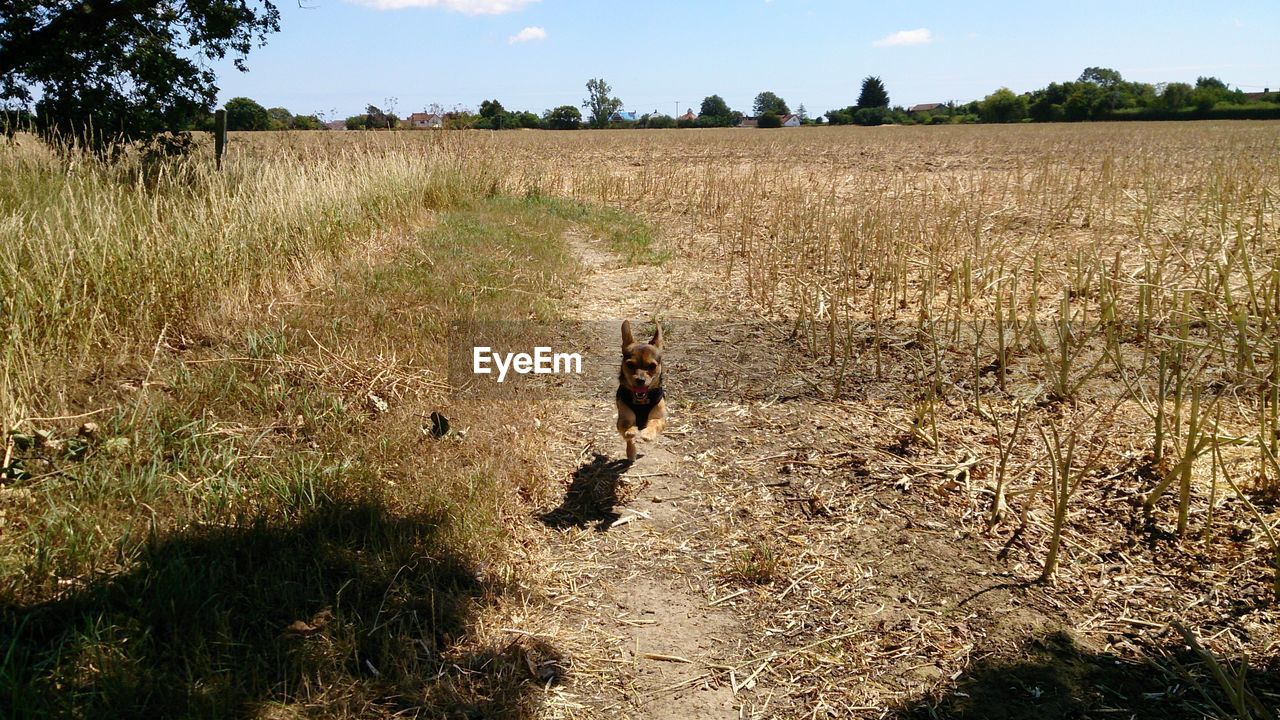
point(642, 411)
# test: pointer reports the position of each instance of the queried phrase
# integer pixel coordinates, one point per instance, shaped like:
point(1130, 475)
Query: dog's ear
point(657, 335)
point(627, 338)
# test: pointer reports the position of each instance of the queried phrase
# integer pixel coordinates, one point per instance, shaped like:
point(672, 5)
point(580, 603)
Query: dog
point(642, 410)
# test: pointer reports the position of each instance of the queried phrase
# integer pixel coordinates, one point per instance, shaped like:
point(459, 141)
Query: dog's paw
point(630, 433)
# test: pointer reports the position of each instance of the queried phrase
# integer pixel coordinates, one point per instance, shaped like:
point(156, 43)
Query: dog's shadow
point(591, 496)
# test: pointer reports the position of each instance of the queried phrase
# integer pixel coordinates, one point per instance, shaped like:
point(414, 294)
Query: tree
point(1112, 90)
point(492, 116)
point(1209, 92)
point(767, 102)
point(1115, 92)
point(1137, 94)
point(1175, 96)
point(525, 119)
point(458, 119)
point(873, 93)
point(658, 122)
point(769, 119)
point(601, 105)
point(1205, 98)
point(1046, 103)
point(306, 122)
point(843, 116)
point(245, 114)
point(1003, 106)
point(122, 70)
point(715, 112)
point(565, 117)
point(281, 119)
point(376, 119)
point(874, 115)
point(709, 121)
point(1082, 102)
point(1100, 76)
point(802, 113)
point(714, 106)
point(871, 116)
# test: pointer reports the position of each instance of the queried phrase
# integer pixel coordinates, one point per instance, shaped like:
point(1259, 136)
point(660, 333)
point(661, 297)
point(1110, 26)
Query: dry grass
point(1128, 274)
point(1069, 331)
point(1020, 353)
point(220, 491)
point(100, 258)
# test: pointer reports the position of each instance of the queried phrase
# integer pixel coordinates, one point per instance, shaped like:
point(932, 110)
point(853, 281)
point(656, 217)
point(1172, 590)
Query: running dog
point(642, 411)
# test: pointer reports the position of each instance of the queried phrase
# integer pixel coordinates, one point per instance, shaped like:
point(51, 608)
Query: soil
point(650, 608)
point(778, 554)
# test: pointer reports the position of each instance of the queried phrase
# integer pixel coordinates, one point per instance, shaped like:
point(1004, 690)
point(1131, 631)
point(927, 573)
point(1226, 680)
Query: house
point(926, 107)
point(688, 116)
point(1255, 96)
point(336, 125)
point(748, 122)
point(790, 120)
point(624, 116)
point(420, 120)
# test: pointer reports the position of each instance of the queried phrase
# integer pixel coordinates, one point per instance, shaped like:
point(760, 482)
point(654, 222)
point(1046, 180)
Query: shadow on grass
point(350, 610)
point(591, 496)
point(1052, 678)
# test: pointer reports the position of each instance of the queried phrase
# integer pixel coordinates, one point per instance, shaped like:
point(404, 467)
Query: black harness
point(641, 408)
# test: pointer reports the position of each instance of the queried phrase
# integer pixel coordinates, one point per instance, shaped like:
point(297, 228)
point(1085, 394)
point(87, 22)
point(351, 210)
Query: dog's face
point(641, 362)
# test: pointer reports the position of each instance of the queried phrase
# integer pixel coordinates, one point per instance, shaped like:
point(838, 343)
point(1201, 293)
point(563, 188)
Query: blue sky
point(336, 56)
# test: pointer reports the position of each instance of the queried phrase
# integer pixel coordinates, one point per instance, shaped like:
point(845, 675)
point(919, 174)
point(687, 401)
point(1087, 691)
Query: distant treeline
point(1099, 94)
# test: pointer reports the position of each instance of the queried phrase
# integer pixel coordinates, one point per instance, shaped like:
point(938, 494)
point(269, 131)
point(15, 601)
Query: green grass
point(625, 233)
point(757, 564)
point(238, 483)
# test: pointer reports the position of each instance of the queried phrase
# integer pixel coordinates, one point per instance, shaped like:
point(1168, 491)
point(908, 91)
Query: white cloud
point(919, 36)
point(466, 7)
point(528, 34)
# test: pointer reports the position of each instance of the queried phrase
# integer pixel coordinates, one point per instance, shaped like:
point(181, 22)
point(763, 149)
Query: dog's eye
point(651, 367)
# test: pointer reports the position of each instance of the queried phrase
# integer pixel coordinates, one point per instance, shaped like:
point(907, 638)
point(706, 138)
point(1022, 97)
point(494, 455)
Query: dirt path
point(639, 596)
point(697, 581)
point(776, 554)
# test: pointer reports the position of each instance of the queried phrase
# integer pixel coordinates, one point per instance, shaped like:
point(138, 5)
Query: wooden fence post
point(219, 135)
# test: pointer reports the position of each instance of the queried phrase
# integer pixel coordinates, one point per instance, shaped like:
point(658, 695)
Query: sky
point(334, 57)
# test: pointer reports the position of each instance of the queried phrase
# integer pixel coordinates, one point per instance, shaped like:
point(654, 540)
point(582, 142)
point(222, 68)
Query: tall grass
point(98, 258)
point(258, 519)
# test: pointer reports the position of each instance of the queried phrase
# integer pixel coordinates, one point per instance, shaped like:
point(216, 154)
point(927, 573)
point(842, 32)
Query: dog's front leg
point(630, 437)
point(657, 421)
point(627, 429)
point(653, 429)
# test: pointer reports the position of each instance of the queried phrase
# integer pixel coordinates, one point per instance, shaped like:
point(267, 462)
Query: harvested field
point(968, 422)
